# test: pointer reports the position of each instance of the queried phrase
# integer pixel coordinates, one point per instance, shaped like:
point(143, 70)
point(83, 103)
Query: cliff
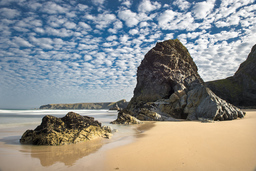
point(239, 89)
point(106, 105)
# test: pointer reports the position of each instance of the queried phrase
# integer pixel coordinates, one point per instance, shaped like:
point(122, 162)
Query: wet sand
point(88, 155)
point(190, 146)
point(229, 145)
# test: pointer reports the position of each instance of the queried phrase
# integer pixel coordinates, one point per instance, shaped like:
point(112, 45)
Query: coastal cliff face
point(108, 105)
point(239, 89)
point(169, 87)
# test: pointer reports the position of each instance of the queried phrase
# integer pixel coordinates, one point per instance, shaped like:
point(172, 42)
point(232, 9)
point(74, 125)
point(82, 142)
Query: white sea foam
point(12, 118)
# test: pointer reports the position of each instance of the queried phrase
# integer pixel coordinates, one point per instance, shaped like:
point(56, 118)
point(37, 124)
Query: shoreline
point(81, 156)
point(190, 145)
point(182, 145)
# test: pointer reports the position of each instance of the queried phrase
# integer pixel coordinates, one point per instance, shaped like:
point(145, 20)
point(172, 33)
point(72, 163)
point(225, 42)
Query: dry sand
point(189, 146)
point(228, 145)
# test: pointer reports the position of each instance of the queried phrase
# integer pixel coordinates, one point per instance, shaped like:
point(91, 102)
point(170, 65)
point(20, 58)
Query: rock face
point(126, 119)
point(239, 89)
point(169, 87)
point(72, 128)
point(107, 105)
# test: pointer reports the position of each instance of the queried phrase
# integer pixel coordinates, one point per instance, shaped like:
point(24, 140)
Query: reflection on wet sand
point(67, 154)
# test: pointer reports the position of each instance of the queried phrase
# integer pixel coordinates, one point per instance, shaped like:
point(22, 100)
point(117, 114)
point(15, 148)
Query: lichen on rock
point(71, 128)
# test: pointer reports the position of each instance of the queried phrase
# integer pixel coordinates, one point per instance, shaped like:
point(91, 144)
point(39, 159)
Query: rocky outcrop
point(72, 128)
point(169, 87)
point(107, 105)
point(126, 119)
point(239, 89)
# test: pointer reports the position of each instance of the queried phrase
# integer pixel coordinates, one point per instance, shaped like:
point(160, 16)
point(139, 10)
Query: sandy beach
point(188, 146)
point(181, 146)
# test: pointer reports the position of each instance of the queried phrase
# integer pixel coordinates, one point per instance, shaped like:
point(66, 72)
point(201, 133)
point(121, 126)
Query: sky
point(72, 51)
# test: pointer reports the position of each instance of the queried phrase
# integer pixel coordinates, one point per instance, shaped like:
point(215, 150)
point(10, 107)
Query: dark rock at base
point(239, 89)
point(169, 88)
point(72, 128)
point(124, 118)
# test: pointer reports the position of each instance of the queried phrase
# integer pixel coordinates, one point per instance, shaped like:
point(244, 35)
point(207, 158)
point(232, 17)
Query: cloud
point(58, 32)
point(98, 2)
point(21, 42)
point(133, 31)
point(182, 4)
point(53, 8)
point(147, 6)
point(129, 17)
point(202, 9)
point(102, 20)
point(126, 3)
point(171, 20)
point(70, 25)
point(9, 13)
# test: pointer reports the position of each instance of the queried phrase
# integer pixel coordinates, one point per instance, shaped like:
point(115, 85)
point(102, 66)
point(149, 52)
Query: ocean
point(13, 123)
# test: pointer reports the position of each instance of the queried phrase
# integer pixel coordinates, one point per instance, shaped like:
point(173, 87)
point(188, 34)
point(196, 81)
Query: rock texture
point(72, 128)
point(169, 87)
point(126, 119)
point(107, 105)
point(239, 89)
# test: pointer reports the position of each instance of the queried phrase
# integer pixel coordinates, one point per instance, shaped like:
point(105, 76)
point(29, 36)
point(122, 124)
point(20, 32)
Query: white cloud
point(170, 20)
point(182, 4)
point(84, 25)
point(21, 42)
point(202, 9)
point(126, 3)
point(143, 24)
point(147, 6)
point(102, 20)
point(133, 31)
point(9, 13)
point(98, 2)
point(111, 38)
point(53, 8)
point(70, 25)
point(129, 17)
point(58, 32)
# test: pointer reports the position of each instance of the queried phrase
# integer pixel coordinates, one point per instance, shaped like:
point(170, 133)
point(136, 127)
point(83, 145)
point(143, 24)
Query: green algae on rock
point(71, 128)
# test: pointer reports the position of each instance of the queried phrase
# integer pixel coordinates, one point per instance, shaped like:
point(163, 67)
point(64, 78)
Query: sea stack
point(169, 87)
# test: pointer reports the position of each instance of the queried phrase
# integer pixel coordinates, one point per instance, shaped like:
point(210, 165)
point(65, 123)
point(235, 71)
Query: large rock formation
point(72, 128)
point(169, 87)
point(239, 89)
point(105, 105)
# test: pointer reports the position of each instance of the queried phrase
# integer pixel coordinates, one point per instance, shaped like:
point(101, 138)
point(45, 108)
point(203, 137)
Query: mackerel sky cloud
point(88, 51)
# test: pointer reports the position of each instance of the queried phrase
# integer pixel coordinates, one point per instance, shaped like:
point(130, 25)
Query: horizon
point(58, 52)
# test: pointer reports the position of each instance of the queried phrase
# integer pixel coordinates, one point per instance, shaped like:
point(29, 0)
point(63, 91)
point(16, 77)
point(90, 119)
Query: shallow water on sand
point(84, 155)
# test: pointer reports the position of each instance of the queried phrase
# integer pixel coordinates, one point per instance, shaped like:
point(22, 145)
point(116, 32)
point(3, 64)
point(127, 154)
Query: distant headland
point(104, 105)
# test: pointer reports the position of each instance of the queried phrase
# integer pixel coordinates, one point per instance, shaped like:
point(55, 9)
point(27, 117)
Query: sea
point(13, 123)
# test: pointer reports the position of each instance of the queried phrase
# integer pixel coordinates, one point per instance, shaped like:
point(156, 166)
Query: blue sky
point(70, 51)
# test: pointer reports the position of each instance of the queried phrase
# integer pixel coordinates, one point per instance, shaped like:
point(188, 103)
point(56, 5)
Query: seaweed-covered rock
point(169, 87)
point(72, 128)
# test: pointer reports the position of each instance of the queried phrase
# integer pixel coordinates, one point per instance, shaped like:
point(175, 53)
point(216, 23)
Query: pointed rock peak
point(169, 86)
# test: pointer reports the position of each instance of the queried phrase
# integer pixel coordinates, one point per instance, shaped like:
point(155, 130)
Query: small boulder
point(124, 118)
point(72, 128)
